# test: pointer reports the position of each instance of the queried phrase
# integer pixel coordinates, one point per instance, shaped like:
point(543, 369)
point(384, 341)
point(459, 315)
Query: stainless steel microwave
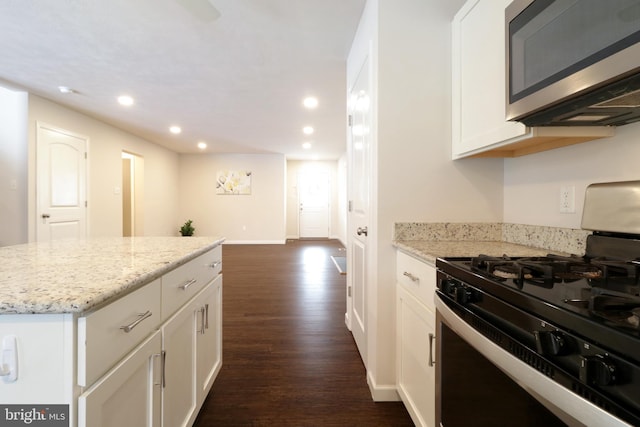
point(573, 62)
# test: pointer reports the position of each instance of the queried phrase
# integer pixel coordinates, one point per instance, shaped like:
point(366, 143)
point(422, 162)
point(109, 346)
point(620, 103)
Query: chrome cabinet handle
point(432, 337)
point(362, 230)
point(411, 276)
point(204, 319)
point(164, 368)
point(189, 283)
point(206, 316)
point(215, 264)
point(155, 370)
point(201, 314)
point(128, 328)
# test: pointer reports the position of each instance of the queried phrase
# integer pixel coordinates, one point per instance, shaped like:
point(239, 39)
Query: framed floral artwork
point(233, 182)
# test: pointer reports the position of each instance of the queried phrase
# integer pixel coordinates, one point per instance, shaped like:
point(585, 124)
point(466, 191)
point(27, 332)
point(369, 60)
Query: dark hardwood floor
point(288, 358)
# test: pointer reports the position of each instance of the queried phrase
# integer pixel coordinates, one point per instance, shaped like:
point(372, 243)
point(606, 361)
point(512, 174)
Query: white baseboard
point(382, 393)
point(254, 242)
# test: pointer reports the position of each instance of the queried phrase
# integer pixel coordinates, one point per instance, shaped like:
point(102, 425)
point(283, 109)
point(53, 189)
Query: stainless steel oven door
point(472, 368)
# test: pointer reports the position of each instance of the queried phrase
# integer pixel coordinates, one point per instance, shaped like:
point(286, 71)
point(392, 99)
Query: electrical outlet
point(568, 199)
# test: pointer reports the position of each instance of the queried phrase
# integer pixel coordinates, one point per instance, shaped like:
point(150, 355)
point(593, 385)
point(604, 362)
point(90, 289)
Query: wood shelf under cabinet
point(540, 139)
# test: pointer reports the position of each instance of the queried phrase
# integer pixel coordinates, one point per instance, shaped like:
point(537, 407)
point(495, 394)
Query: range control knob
point(463, 295)
point(551, 343)
point(597, 370)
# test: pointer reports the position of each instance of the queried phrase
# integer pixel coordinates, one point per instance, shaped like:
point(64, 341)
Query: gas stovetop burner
point(552, 269)
point(544, 271)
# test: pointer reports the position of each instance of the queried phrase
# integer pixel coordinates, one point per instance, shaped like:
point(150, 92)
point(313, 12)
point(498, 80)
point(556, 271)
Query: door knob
point(362, 230)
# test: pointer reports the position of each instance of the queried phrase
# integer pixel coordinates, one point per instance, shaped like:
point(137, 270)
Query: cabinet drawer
point(106, 335)
point(183, 283)
point(417, 277)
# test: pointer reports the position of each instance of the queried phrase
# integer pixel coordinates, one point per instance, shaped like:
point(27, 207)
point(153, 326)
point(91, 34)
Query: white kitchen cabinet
point(479, 125)
point(106, 335)
point(128, 395)
point(179, 388)
point(208, 338)
point(415, 335)
point(183, 283)
point(192, 346)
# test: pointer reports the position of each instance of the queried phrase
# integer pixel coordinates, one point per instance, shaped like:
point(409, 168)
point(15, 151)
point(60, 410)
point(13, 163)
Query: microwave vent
point(628, 100)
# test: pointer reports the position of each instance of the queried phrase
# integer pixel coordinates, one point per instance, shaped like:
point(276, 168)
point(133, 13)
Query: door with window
point(61, 184)
point(313, 194)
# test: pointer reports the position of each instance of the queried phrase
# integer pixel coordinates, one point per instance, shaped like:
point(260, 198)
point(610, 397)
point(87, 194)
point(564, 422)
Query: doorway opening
point(314, 203)
point(132, 195)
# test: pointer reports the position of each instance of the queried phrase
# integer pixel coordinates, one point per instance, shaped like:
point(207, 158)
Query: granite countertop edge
point(53, 282)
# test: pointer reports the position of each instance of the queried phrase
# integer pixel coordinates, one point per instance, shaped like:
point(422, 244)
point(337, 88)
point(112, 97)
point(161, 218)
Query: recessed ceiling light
point(306, 145)
point(125, 100)
point(308, 130)
point(175, 130)
point(310, 102)
point(66, 89)
point(202, 145)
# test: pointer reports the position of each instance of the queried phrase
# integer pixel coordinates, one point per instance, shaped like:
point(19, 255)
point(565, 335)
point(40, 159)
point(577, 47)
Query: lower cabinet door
point(178, 344)
point(209, 337)
point(129, 395)
point(415, 358)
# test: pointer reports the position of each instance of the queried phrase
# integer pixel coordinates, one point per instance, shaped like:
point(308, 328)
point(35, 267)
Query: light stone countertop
point(72, 276)
point(428, 251)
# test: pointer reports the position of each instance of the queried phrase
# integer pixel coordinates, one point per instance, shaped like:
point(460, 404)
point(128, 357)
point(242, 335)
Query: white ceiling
point(235, 82)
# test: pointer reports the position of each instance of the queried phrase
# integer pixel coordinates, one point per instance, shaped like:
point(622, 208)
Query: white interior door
point(313, 194)
point(360, 118)
point(61, 185)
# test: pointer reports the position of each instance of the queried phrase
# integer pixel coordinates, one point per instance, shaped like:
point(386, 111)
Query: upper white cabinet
point(478, 120)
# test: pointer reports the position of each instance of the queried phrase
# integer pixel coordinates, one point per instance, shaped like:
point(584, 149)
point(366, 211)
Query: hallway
point(288, 358)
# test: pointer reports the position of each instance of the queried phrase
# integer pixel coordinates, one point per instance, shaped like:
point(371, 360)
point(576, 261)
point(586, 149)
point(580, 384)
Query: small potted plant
point(187, 229)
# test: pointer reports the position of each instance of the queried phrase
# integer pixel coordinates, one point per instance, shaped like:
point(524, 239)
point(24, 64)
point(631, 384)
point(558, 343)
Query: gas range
point(595, 297)
point(575, 319)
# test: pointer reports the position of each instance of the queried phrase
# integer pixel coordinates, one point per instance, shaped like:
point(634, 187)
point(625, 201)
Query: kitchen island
point(116, 331)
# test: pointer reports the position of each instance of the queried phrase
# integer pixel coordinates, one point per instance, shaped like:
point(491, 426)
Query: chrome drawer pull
point(189, 283)
point(140, 318)
point(411, 276)
point(215, 264)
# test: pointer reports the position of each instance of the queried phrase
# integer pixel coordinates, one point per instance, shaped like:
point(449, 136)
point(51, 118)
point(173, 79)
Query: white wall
point(255, 218)
point(106, 144)
point(13, 167)
point(414, 178)
point(343, 201)
point(337, 216)
point(532, 183)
